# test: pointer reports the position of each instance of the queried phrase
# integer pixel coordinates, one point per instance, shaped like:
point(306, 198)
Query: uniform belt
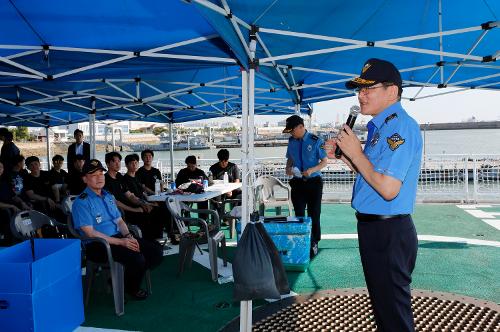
point(378, 217)
point(308, 178)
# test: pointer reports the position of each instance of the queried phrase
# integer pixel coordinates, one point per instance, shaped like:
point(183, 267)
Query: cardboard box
point(44, 294)
point(293, 241)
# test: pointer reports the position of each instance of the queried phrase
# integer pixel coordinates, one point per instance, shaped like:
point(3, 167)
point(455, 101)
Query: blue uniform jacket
point(394, 147)
point(306, 152)
point(101, 212)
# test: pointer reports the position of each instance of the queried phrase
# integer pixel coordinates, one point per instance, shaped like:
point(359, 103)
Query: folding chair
point(213, 237)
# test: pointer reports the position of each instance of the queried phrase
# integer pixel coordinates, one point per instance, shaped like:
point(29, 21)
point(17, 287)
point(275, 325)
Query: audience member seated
point(137, 211)
point(95, 214)
point(192, 172)
point(225, 166)
point(37, 188)
point(17, 175)
point(147, 174)
point(10, 205)
point(74, 179)
point(233, 173)
point(58, 178)
point(160, 216)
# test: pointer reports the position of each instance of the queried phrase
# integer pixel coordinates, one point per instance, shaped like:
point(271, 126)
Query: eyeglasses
point(366, 90)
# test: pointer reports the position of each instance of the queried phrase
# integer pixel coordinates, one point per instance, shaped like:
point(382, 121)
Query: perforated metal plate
point(350, 310)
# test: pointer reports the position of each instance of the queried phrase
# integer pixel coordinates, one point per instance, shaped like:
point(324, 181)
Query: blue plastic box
point(293, 241)
point(41, 295)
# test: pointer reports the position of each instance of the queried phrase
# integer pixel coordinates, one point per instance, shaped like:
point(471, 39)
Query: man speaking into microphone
point(384, 192)
point(306, 157)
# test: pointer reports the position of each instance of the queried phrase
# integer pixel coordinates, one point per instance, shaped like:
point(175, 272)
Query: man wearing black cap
point(384, 192)
point(95, 214)
point(306, 157)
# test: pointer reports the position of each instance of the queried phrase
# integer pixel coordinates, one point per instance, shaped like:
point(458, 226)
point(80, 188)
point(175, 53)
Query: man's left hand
point(307, 172)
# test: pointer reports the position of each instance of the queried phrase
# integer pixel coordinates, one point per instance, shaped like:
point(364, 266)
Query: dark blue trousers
point(388, 250)
point(308, 193)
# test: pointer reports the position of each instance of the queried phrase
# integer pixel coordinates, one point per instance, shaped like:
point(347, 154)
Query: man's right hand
point(146, 207)
point(130, 243)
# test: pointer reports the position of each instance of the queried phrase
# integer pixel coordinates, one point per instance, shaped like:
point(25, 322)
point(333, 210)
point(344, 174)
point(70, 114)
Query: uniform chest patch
point(395, 141)
point(375, 139)
point(309, 148)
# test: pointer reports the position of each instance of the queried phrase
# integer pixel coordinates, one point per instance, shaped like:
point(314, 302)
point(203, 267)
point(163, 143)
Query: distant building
point(100, 127)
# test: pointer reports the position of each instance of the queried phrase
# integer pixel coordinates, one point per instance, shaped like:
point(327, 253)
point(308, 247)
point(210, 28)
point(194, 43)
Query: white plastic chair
point(265, 197)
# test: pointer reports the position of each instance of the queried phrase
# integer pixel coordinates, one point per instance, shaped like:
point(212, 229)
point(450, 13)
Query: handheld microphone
point(353, 114)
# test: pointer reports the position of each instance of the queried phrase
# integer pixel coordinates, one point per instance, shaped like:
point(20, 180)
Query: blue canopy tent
point(123, 60)
point(314, 47)
point(174, 62)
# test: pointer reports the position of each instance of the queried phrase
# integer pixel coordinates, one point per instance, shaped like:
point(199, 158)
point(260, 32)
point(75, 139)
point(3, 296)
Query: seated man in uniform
point(95, 214)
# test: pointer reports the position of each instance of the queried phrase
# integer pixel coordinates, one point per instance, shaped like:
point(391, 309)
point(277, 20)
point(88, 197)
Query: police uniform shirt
point(394, 147)
point(306, 152)
point(100, 212)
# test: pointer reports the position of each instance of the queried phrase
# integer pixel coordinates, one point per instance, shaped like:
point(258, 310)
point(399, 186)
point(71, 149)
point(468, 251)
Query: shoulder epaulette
point(391, 117)
point(314, 137)
point(83, 195)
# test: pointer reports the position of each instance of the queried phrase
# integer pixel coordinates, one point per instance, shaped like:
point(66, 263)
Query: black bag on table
point(252, 268)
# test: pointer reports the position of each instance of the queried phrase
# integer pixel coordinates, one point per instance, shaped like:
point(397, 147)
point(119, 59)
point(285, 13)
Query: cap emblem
point(365, 67)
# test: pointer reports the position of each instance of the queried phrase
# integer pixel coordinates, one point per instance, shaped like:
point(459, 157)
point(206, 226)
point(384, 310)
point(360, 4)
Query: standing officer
point(306, 157)
point(384, 192)
point(95, 214)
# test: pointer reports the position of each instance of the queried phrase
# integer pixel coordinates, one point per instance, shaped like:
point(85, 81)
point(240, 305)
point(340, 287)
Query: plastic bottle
point(226, 178)
point(157, 187)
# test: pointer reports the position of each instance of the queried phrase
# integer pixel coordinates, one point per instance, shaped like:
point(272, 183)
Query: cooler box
point(292, 239)
point(45, 294)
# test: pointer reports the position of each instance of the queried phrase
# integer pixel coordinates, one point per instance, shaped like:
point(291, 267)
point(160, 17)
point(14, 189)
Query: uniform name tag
point(98, 219)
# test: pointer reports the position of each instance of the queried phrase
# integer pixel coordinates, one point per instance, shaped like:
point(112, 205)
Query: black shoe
point(140, 295)
point(314, 250)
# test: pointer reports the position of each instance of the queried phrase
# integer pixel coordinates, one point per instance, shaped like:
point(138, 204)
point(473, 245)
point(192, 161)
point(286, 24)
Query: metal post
point(245, 306)
point(113, 142)
point(92, 132)
point(297, 109)
point(250, 132)
point(466, 178)
point(49, 152)
point(475, 176)
point(171, 134)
